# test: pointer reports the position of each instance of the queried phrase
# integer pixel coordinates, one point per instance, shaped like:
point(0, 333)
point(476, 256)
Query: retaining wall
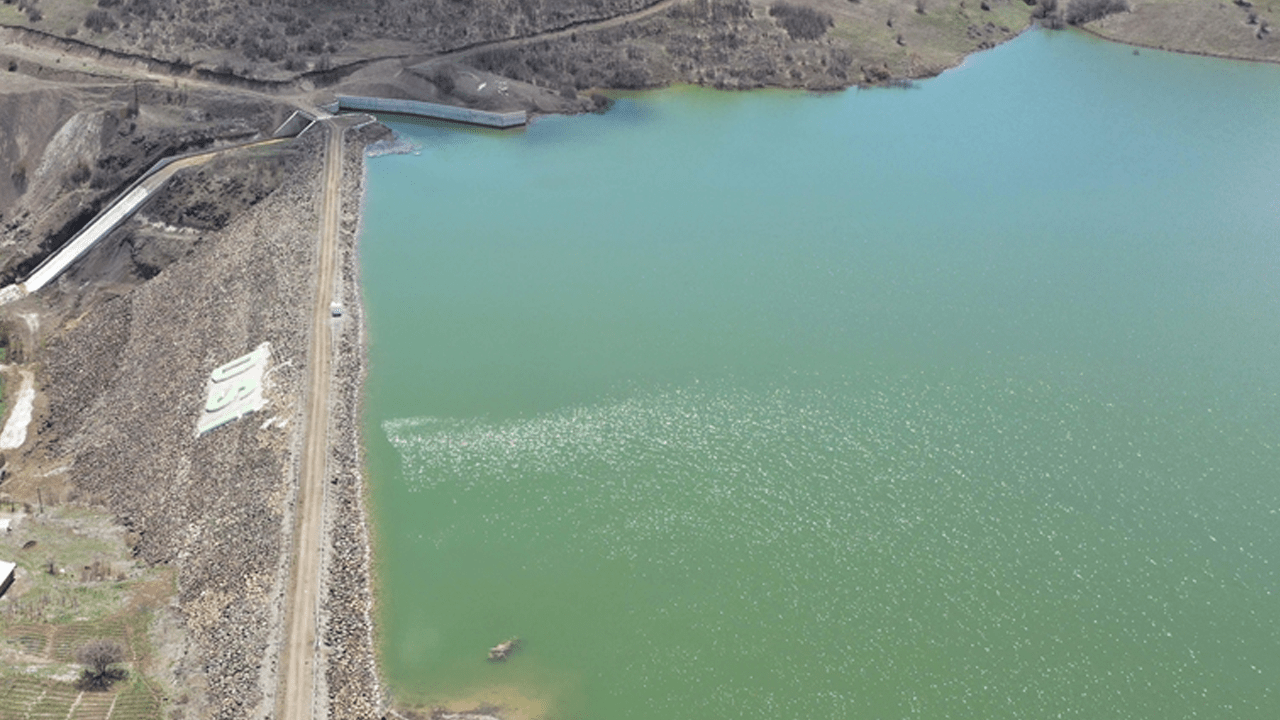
point(434, 111)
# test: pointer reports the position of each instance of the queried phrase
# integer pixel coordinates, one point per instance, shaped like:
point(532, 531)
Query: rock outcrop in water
point(503, 650)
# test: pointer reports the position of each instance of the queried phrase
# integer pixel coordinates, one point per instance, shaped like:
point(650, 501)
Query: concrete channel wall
point(120, 210)
point(297, 123)
point(434, 111)
point(98, 229)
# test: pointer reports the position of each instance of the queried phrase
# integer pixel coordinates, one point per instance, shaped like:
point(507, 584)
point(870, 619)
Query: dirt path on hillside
point(566, 31)
point(299, 662)
point(293, 90)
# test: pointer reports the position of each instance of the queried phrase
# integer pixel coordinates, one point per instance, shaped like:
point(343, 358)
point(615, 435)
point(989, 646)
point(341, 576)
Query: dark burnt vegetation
point(1048, 14)
point(18, 176)
point(300, 35)
point(1080, 12)
point(801, 22)
point(210, 196)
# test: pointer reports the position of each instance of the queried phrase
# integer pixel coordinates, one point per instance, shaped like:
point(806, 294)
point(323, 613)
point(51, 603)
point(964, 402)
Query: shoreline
point(1179, 51)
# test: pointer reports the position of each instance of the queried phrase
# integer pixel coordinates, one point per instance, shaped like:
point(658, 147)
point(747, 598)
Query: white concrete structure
point(296, 124)
point(434, 110)
point(235, 390)
point(6, 575)
point(97, 230)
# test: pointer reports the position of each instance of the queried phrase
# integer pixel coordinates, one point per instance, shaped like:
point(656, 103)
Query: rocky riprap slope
point(350, 678)
point(125, 381)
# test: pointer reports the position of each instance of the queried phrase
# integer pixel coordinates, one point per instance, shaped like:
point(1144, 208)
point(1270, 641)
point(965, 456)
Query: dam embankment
point(123, 385)
point(350, 678)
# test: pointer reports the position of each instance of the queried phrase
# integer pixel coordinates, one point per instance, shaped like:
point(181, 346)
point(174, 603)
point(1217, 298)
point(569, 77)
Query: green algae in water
point(953, 402)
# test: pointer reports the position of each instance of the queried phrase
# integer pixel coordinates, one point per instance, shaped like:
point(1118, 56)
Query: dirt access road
point(458, 54)
point(299, 662)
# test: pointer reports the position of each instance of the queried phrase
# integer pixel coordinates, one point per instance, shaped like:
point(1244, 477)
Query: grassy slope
point(1209, 27)
point(936, 37)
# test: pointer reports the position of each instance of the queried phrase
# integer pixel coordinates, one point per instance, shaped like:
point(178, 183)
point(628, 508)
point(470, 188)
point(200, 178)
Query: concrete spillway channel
point(126, 205)
point(107, 221)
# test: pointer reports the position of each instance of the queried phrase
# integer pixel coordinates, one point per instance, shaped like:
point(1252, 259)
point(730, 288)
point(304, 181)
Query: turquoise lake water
point(951, 402)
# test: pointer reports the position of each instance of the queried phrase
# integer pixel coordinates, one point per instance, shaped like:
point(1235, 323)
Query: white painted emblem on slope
point(235, 390)
point(14, 434)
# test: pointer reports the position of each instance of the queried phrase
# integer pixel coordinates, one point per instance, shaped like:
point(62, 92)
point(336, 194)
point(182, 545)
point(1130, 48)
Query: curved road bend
point(299, 656)
point(566, 31)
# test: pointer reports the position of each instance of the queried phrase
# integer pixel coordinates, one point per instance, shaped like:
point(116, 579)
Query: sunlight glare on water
point(957, 402)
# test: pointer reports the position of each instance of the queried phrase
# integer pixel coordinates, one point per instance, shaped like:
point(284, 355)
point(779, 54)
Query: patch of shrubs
point(1048, 14)
point(716, 11)
point(19, 178)
point(29, 7)
point(800, 22)
point(297, 26)
point(1080, 12)
point(100, 21)
point(147, 10)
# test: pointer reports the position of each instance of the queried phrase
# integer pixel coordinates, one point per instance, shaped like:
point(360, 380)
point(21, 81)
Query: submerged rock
point(503, 650)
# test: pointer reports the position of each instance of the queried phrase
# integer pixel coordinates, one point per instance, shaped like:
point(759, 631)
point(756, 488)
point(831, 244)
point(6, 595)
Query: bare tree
point(99, 658)
point(1080, 12)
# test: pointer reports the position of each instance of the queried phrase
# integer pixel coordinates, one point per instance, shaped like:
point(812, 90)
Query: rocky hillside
point(627, 43)
point(574, 43)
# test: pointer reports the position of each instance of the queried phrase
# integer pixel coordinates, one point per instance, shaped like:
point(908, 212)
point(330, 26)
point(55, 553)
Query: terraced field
point(95, 594)
point(59, 642)
point(36, 698)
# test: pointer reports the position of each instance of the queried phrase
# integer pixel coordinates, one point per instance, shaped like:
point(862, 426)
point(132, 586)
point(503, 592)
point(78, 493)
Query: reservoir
point(958, 401)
